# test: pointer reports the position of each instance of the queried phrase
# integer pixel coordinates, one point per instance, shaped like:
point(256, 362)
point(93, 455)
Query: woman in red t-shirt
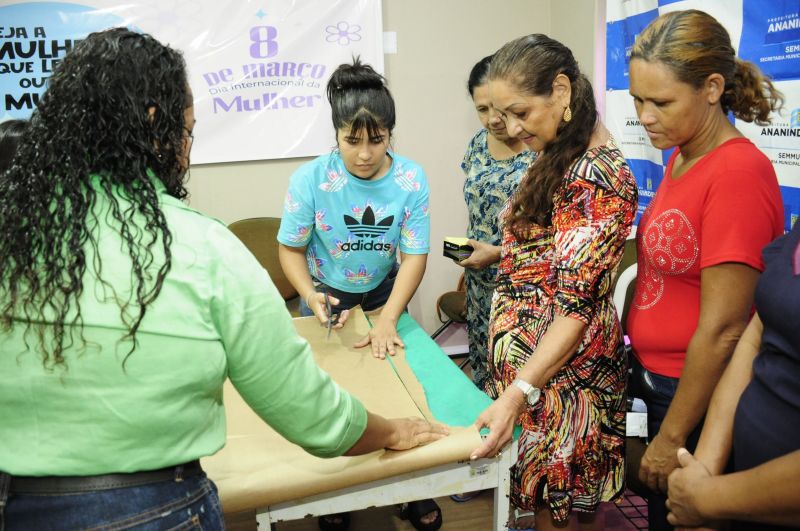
point(700, 240)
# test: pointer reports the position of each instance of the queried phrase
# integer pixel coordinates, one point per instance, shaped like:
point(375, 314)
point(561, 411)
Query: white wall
point(438, 41)
point(575, 23)
point(572, 23)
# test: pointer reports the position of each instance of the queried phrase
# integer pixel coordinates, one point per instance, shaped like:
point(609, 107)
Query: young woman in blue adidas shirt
point(347, 214)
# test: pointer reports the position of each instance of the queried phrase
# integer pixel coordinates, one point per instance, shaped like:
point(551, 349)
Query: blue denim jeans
point(370, 300)
point(174, 505)
point(657, 392)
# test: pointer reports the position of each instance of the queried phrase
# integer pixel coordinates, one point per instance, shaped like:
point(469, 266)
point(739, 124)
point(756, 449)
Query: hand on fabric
point(383, 337)
point(499, 418)
point(685, 484)
point(413, 431)
point(316, 302)
point(482, 256)
point(660, 458)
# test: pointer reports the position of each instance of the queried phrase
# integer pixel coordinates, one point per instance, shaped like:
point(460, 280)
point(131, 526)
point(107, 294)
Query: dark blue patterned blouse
point(488, 185)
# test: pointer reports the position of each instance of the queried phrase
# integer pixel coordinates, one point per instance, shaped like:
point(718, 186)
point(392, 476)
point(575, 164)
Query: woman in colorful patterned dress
point(493, 165)
point(556, 355)
point(346, 215)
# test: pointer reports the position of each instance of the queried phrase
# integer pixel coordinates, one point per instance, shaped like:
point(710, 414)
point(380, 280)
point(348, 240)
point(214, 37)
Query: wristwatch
point(531, 393)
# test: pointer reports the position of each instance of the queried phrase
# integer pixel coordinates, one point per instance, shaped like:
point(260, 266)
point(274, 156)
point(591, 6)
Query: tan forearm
point(483, 255)
point(496, 252)
point(767, 493)
point(378, 434)
point(556, 347)
point(726, 297)
point(706, 358)
point(412, 268)
point(295, 267)
point(714, 447)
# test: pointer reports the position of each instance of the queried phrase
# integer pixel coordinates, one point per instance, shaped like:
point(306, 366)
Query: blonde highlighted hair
point(694, 45)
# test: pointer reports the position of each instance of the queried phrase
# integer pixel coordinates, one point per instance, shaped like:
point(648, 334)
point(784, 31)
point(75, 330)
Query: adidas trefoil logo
point(367, 228)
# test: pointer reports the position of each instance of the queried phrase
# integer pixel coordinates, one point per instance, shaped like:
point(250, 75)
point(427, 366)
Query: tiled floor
point(630, 514)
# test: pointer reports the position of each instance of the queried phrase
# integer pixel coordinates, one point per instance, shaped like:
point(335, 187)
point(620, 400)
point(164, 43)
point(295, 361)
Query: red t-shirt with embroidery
point(726, 208)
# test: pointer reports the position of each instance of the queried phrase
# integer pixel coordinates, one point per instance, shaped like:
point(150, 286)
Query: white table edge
point(442, 480)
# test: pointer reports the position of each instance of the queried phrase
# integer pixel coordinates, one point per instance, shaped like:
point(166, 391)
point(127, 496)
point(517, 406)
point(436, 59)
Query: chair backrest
point(453, 303)
point(260, 235)
point(625, 282)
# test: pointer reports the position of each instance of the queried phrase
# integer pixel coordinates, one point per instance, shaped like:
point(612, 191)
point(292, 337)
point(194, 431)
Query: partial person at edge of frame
point(123, 312)
point(346, 215)
point(493, 166)
point(700, 239)
point(555, 331)
point(10, 135)
point(754, 413)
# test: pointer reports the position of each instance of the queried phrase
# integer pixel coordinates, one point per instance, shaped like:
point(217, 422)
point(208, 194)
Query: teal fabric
point(452, 397)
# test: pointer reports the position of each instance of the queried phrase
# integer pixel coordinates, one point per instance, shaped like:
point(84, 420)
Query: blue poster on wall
point(791, 204)
point(620, 36)
point(41, 35)
point(648, 178)
point(771, 37)
point(767, 33)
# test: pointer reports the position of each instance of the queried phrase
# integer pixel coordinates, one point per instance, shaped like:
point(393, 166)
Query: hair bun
point(355, 76)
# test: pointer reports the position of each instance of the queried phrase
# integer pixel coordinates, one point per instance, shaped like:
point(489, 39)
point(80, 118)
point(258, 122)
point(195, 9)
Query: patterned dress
point(488, 185)
point(571, 451)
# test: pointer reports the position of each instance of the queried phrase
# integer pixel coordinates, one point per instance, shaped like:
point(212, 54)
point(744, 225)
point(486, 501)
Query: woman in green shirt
point(123, 311)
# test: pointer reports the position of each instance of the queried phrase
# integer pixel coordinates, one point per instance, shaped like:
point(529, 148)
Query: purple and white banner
point(765, 32)
point(258, 69)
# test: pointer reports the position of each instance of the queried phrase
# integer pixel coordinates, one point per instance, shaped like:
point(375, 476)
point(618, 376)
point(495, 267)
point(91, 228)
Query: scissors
point(331, 316)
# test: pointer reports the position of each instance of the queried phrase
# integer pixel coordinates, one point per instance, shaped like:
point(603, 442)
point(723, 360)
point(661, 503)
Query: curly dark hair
point(531, 63)
point(110, 122)
point(10, 135)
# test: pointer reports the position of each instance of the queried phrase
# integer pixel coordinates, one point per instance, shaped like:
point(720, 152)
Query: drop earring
point(567, 114)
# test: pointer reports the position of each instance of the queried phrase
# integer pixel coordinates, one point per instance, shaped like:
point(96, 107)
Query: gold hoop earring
point(567, 114)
